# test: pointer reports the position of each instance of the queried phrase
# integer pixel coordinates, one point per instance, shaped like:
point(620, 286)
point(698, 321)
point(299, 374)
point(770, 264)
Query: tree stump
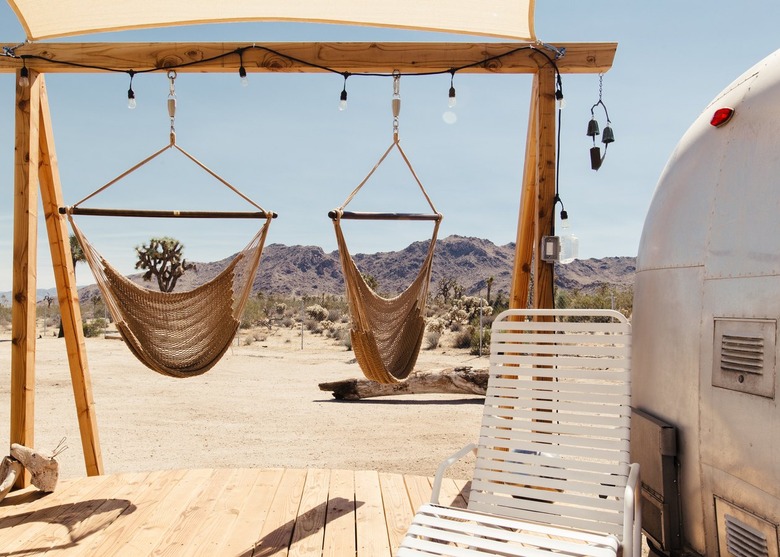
point(460, 380)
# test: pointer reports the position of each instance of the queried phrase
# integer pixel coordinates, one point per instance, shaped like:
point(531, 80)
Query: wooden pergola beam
point(299, 56)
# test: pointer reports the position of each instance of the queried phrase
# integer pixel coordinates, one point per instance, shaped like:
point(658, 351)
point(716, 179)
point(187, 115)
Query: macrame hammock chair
point(178, 334)
point(386, 333)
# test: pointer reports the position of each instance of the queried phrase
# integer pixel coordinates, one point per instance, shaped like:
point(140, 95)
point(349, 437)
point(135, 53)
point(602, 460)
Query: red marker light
point(721, 116)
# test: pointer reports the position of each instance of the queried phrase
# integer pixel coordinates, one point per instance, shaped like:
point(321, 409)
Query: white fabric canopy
point(43, 19)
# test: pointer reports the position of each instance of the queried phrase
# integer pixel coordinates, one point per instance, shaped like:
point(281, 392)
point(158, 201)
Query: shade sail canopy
point(44, 19)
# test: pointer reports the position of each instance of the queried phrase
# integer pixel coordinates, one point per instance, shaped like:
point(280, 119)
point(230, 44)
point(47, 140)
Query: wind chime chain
point(601, 84)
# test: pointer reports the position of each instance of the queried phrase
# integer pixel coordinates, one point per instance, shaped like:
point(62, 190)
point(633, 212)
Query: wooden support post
point(537, 198)
point(24, 266)
point(65, 279)
point(545, 212)
point(524, 245)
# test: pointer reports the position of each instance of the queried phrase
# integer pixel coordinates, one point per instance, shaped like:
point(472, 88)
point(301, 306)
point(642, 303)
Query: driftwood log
point(460, 380)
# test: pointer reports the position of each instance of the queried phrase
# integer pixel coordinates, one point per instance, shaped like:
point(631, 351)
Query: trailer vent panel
point(742, 533)
point(744, 355)
point(744, 541)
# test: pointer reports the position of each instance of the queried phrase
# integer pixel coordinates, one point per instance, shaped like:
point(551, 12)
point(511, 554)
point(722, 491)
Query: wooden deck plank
point(340, 520)
point(309, 532)
point(249, 522)
point(278, 528)
point(371, 531)
point(110, 505)
point(454, 493)
point(52, 517)
point(192, 527)
point(419, 489)
point(398, 509)
point(221, 525)
point(139, 528)
point(233, 512)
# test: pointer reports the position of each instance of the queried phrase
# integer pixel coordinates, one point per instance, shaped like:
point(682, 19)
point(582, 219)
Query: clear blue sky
point(283, 141)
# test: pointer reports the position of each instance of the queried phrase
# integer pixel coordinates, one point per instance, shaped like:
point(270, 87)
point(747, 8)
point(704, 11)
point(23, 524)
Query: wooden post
point(545, 179)
point(537, 198)
point(524, 245)
point(65, 279)
point(24, 266)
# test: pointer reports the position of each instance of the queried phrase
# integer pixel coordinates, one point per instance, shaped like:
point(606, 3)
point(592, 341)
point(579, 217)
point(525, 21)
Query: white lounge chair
point(552, 471)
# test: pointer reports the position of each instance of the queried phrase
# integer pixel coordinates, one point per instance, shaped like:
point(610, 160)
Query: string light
point(130, 93)
point(452, 100)
point(242, 69)
point(343, 96)
point(559, 100)
point(24, 75)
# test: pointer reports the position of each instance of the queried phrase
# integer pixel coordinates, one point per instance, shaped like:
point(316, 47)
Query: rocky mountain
point(308, 270)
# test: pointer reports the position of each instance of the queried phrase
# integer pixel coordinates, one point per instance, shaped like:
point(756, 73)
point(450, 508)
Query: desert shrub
point(94, 327)
point(474, 348)
point(248, 340)
point(317, 312)
point(432, 339)
point(288, 322)
point(456, 327)
point(462, 339)
point(346, 338)
point(334, 314)
point(435, 325)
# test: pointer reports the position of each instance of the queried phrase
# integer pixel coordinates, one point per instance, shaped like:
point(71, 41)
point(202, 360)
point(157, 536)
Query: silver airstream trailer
point(706, 429)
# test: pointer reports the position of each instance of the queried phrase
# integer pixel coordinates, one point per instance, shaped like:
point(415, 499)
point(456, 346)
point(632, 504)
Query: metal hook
point(396, 103)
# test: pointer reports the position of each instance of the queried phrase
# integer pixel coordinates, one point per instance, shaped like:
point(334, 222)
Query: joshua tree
point(76, 253)
point(162, 259)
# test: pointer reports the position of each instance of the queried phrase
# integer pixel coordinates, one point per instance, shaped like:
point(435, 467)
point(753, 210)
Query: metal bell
point(608, 136)
point(593, 128)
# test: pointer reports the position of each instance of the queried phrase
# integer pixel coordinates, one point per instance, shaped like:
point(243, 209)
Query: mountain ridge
point(308, 270)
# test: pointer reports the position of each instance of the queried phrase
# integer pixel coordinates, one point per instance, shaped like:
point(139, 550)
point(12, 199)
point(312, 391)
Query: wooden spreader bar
point(165, 214)
point(351, 215)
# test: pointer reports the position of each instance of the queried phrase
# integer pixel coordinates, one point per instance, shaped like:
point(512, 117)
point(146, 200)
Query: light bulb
point(452, 100)
point(130, 99)
point(343, 100)
point(242, 75)
point(24, 77)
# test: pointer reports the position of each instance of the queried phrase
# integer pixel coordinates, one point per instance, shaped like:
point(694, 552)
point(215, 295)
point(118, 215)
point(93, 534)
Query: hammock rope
point(386, 333)
point(178, 334)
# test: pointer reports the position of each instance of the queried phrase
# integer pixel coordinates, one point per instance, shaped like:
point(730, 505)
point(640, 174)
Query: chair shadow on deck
point(81, 519)
point(311, 522)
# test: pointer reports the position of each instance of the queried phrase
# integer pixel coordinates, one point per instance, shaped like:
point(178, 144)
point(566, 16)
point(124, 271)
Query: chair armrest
point(632, 514)
point(471, 447)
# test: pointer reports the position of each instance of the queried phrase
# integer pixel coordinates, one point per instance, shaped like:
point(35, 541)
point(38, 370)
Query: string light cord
point(11, 52)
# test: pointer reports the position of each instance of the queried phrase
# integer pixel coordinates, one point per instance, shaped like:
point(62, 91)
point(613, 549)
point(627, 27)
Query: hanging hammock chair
point(386, 332)
point(178, 334)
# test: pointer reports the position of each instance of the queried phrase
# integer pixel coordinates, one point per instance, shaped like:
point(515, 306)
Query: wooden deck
point(223, 512)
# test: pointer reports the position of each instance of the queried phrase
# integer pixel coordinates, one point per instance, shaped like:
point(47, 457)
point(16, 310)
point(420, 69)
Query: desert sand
point(259, 407)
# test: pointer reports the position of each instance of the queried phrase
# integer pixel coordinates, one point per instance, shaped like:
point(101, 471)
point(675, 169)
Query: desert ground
point(259, 407)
